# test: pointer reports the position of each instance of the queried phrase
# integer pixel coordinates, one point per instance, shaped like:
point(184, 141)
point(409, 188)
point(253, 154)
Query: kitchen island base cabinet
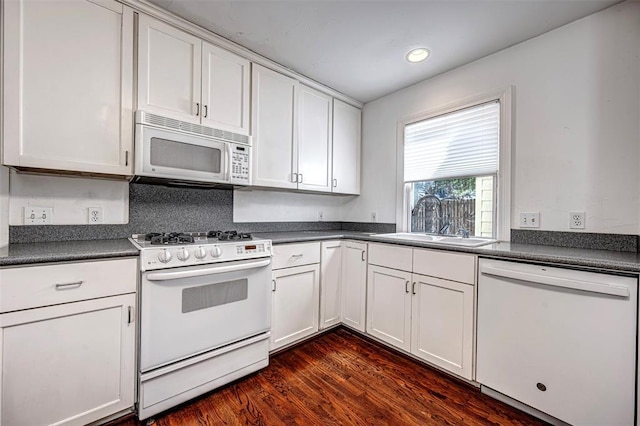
point(389, 306)
point(295, 304)
point(68, 364)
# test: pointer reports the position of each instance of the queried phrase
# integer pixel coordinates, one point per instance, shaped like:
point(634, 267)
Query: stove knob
point(183, 254)
point(216, 251)
point(200, 253)
point(165, 256)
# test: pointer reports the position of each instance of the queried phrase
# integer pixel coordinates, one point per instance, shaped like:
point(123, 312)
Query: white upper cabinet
point(314, 140)
point(273, 105)
point(225, 90)
point(346, 148)
point(183, 77)
point(68, 86)
point(169, 70)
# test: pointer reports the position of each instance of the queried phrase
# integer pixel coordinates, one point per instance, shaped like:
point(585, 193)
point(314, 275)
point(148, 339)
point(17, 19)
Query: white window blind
point(461, 143)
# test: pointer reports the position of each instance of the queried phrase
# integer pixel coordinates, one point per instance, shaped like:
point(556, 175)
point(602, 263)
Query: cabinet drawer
point(287, 255)
point(34, 286)
point(441, 264)
point(396, 257)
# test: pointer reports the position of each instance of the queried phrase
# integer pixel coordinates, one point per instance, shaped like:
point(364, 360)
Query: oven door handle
point(233, 267)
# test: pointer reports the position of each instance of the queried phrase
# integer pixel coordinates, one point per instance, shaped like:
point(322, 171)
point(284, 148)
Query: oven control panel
point(259, 248)
point(160, 257)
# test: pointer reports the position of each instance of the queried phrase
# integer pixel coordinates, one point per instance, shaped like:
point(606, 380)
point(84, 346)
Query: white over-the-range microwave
point(170, 151)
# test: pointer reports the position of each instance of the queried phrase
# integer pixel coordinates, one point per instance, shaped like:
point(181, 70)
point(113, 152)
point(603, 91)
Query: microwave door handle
point(233, 267)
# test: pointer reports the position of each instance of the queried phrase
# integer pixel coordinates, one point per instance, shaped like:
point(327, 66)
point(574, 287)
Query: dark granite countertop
point(600, 259)
point(62, 251)
point(30, 253)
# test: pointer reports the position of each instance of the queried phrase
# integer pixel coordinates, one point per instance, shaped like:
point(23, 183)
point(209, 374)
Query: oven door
point(191, 310)
point(167, 154)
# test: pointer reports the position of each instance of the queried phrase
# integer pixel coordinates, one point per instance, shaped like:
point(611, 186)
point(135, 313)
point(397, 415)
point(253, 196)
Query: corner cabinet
point(354, 284)
point(68, 86)
point(347, 123)
point(68, 342)
point(295, 293)
point(331, 267)
point(183, 77)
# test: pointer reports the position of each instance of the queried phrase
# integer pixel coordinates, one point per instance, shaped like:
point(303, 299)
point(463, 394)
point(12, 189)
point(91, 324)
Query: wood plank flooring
point(343, 379)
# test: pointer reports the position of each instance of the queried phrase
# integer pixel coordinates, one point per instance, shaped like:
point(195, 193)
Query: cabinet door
point(330, 283)
point(68, 364)
point(314, 140)
point(346, 148)
point(389, 306)
point(169, 71)
point(225, 90)
point(442, 323)
point(68, 83)
point(273, 102)
point(354, 284)
point(295, 304)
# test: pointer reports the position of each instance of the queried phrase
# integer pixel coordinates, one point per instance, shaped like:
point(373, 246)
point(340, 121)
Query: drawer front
point(390, 256)
point(441, 264)
point(288, 255)
point(34, 286)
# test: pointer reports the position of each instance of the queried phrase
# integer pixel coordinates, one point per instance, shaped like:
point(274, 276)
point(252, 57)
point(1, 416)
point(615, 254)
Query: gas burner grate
point(169, 238)
point(229, 235)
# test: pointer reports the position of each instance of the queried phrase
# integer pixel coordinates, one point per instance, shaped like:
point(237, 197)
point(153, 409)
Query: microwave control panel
point(240, 164)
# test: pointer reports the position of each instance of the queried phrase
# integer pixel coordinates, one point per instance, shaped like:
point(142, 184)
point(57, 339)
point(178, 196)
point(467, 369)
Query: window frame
point(503, 180)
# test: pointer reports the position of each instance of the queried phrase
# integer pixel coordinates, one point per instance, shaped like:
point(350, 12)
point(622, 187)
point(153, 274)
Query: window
point(451, 165)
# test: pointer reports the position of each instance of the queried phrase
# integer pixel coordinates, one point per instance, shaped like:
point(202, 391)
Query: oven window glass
point(208, 296)
point(184, 156)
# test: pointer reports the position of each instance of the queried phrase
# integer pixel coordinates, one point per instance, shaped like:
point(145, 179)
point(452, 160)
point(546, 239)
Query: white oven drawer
point(43, 285)
point(288, 255)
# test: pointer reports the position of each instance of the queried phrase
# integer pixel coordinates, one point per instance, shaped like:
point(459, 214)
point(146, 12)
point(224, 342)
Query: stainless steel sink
point(438, 239)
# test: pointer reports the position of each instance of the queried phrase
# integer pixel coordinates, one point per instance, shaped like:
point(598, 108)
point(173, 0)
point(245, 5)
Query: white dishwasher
point(559, 340)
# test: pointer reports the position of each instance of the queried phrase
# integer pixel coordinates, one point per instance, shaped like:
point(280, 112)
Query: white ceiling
point(358, 47)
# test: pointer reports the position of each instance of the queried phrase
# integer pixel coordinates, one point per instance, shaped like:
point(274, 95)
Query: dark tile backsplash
point(586, 240)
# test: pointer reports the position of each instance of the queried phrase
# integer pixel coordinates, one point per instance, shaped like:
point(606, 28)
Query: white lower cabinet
point(442, 323)
point(354, 284)
point(430, 316)
point(330, 283)
point(295, 304)
point(295, 293)
point(389, 306)
point(70, 363)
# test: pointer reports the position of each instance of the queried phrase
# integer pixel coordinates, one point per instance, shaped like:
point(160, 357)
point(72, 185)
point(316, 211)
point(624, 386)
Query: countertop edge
point(492, 250)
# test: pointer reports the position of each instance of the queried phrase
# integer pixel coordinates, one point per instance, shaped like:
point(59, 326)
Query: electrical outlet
point(320, 216)
point(374, 216)
point(576, 220)
point(38, 215)
point(95, 215)
point(530, 220)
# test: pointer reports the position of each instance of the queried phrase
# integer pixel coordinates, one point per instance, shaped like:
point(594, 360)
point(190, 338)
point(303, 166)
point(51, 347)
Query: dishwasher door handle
point(587, 286)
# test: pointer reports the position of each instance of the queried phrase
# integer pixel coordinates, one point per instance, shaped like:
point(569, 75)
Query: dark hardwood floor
point(342, 379)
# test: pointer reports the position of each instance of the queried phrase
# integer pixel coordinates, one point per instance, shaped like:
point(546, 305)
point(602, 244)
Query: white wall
point(272, 206)
point(70, 198)
point(577, 124)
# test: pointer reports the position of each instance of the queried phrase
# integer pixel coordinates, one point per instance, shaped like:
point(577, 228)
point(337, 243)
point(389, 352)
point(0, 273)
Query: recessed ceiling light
point(418, 55)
